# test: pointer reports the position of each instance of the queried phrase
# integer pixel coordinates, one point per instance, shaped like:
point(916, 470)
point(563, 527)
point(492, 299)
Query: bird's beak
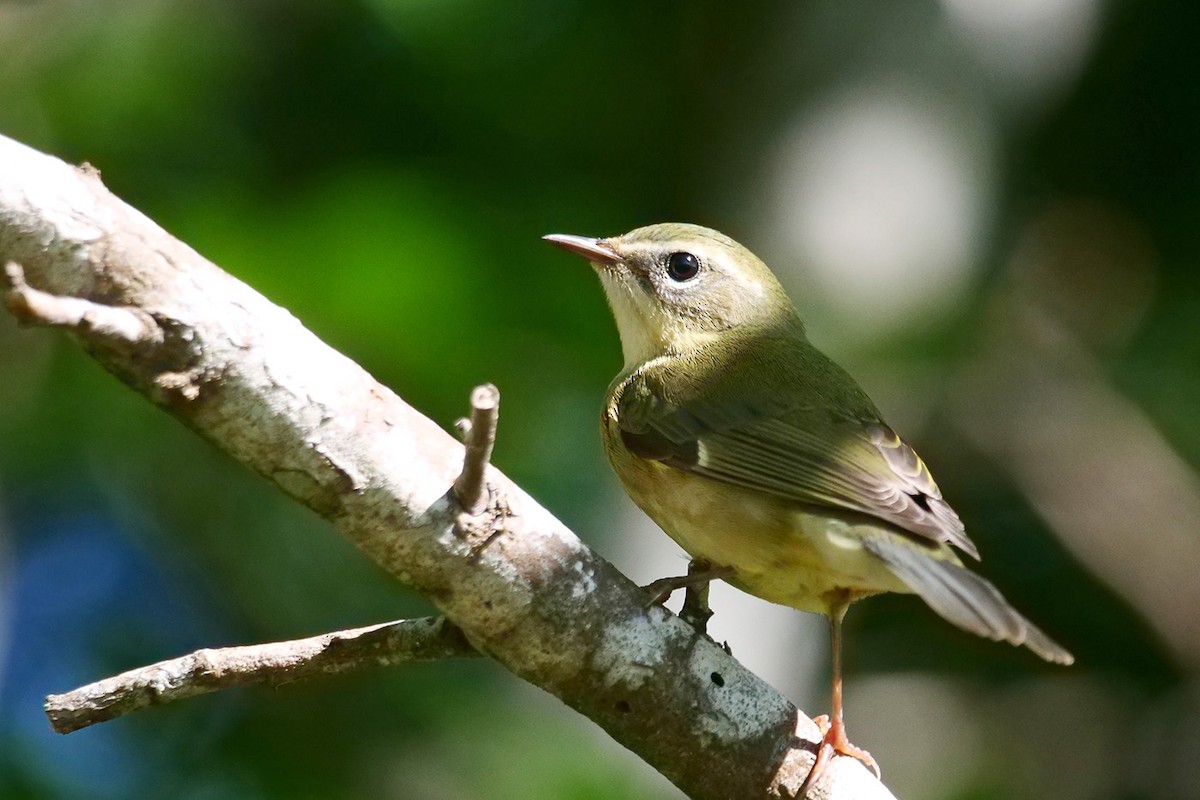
point(597, 251)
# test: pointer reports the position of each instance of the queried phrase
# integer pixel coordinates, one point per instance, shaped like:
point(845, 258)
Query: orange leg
point(833, 740)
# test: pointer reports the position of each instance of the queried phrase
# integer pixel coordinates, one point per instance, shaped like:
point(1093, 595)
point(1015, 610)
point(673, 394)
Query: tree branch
point(274, 664)
point(523, 589)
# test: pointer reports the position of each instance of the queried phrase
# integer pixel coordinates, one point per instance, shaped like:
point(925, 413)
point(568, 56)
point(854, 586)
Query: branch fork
point(280, 663)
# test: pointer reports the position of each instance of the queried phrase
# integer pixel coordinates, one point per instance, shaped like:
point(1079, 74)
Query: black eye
point(682, 266)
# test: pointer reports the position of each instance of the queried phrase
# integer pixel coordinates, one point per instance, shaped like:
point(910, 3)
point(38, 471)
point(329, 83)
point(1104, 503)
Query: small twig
point(479, 435)
point(123, 324)
point(273, 664)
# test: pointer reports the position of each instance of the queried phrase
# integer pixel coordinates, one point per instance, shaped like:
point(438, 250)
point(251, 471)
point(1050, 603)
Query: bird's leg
point(695, 609)
point(833, 729)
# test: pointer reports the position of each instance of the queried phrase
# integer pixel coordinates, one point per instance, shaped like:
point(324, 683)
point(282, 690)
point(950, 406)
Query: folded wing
point(803, 451)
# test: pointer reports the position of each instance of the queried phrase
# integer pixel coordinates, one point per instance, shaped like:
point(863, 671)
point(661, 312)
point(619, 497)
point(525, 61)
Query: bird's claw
point(660, 591)
point(834, 742)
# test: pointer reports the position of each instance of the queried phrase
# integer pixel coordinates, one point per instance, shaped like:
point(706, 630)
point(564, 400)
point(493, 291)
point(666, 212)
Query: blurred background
point(987, 211)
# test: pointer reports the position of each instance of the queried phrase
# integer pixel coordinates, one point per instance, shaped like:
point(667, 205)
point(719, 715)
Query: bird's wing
point(811, 453)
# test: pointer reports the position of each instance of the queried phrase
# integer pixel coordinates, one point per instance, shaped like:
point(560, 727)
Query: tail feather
point(964, 598)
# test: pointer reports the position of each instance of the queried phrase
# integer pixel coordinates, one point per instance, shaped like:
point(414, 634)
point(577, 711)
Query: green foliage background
point(384, 170)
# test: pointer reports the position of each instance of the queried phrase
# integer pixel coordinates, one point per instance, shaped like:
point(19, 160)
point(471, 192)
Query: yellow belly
point(779, 551)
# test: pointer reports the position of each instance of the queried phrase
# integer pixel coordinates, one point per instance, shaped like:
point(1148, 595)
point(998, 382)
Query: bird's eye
point(682, 266)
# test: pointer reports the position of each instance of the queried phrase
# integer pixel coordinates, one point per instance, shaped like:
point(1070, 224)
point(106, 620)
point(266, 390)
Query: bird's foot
point(834, 742)
point(695, 610)
point(660, 591)
point(700, 573)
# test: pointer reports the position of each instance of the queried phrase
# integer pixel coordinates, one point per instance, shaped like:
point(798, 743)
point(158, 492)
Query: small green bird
point(760, 456)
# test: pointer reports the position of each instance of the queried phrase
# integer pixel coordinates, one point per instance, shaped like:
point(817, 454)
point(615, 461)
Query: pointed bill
point(594, 250)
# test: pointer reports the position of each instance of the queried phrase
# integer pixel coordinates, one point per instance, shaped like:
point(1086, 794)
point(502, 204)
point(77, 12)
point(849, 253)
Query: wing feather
point(810, 454)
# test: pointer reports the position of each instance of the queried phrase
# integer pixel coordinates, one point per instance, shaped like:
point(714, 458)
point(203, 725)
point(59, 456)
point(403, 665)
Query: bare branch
point(32, 307)
point(274, 664)
point(479, 436)
point(249, 377)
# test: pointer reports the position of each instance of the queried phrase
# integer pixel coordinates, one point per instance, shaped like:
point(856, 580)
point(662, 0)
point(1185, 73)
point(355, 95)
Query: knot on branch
point(116, 325)
point(127, 330)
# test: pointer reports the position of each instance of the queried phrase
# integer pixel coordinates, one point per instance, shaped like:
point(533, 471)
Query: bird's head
point(675, 287)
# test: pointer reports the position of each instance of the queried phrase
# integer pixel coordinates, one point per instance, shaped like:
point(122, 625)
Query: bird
point(764, 459)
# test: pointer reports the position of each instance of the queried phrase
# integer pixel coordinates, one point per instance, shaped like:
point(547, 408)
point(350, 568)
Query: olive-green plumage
point(756, 452)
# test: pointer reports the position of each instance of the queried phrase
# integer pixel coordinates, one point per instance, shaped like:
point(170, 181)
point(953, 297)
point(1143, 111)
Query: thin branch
point(479, 435)
point(274, 664)
point(246, 375)
point(32, 307)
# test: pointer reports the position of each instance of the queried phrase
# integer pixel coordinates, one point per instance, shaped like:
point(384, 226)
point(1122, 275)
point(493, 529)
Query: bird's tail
point(962, 597)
